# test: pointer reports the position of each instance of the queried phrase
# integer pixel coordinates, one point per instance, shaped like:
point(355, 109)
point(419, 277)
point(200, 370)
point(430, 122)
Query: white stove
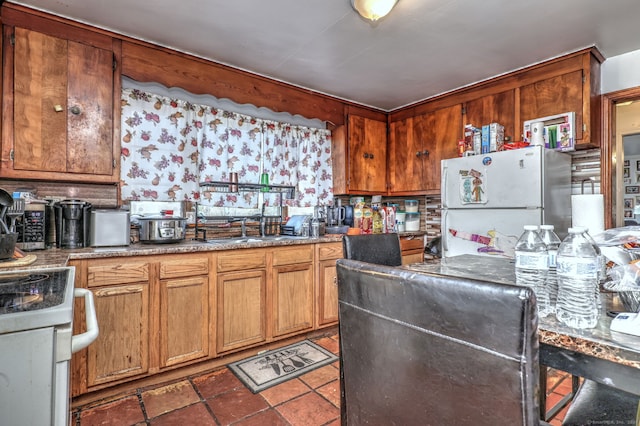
point(36, 316)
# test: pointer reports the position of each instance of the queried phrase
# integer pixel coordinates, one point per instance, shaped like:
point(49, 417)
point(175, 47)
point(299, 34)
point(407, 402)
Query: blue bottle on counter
point(532, 266)
point(577, 268)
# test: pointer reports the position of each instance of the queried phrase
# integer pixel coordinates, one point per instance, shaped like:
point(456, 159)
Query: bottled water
point(577, 267)
point(602, 263)
point(552, 241)
point(532, 264)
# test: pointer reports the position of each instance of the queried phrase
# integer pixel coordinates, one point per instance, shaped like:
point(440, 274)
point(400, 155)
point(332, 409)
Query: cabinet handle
point(335, 281)
point(58, 108)
point(75, 110)
point(425, 152)
point(418, 154)
point(371, 156)
point(366, 155)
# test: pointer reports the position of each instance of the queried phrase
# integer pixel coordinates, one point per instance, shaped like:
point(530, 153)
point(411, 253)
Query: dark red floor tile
point(308, 410)
point(320, 376)
point(216, 383)
point(236, 405)
point(125, 411)
point(284, 391)
point(196, 414)
point(269, 417)
point(331, 392)
point(329, 344)
point(168, 398)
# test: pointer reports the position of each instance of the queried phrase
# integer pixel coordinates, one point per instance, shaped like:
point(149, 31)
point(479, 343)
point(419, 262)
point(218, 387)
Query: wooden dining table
point(599, 354)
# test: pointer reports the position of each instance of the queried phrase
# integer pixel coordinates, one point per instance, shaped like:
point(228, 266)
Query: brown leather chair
point(382, 249)
point(432, 350)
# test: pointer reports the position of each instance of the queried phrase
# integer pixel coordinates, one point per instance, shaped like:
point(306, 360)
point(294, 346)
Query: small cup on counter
point(233, 182)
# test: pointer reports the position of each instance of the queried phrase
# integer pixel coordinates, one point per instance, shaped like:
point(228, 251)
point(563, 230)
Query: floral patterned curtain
point(170, 145)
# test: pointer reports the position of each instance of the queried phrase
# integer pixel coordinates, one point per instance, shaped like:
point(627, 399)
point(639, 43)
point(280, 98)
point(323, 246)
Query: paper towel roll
point(588, 210)
point(537, 133)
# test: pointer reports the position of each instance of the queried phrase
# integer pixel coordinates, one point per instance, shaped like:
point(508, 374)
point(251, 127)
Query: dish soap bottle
point(378, 223)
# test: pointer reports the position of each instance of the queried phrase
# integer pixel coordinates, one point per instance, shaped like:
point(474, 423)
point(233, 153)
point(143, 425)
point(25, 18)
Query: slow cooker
point(162, 229)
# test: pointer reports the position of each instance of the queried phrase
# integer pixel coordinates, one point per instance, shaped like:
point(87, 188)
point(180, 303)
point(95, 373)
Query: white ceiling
point(423, 48)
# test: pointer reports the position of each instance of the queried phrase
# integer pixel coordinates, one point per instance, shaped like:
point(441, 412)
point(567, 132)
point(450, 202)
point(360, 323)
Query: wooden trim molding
point(608, 150)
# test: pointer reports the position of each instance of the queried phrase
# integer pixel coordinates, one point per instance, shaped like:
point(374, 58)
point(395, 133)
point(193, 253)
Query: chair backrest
point(434, 350)
point(381, 249)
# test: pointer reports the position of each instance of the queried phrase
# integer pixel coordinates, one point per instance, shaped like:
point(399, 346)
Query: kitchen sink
point(256, 239)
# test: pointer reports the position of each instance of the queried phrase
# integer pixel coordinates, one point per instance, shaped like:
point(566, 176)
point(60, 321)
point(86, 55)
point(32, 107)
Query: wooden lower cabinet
point(241, 309)
point(184, 315)
point(412, 249)
point(121, 350)
point(161, 313)
point(242, 291)
point(292, 290)
point(183, 309)
point(327, 283)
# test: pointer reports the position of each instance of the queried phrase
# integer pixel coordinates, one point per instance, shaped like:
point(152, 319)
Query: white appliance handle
point(443, 184)
point(444, 232)
point(81, 341)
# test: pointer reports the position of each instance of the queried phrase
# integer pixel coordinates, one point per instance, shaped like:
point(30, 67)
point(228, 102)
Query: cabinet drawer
point(295, 254)
point(117, 273)
point(330, 251)
point(240, 260)
point(412, 244)
point(187, 267)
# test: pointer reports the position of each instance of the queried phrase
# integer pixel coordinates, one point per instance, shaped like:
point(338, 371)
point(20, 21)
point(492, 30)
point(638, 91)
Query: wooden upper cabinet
point(417, 145)
point(495, 108)
point(367, 147)
point(552, 96)
point(57, 108)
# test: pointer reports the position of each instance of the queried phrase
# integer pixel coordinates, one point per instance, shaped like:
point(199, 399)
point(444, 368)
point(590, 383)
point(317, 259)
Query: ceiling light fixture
point(373, 9)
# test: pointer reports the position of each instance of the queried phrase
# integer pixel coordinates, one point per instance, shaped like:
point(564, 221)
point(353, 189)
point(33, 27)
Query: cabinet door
point(367, 155)
point(122, 347)
point(552, 96)
point(241, 309)
point(292, 298)
point(405, 157)
point(328, 293)
point(184, 320)
point(439, 132)
point(62, 109)
point(497, 108)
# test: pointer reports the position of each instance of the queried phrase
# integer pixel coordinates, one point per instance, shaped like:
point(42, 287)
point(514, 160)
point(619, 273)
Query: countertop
point(56, 257)
point(60, 257)
point(599, 342)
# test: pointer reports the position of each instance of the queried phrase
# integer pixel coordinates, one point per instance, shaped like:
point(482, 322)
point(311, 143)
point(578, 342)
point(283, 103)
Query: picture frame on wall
point(632, 189)
point(638, 166)
point(626, 163)
point(628, 203)
point(637, 201)
point(628, 213)
point(626, 172)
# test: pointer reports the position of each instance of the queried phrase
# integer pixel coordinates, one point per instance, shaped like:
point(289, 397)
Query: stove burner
point(22, 279)
point(27, 291)
point(19, 301)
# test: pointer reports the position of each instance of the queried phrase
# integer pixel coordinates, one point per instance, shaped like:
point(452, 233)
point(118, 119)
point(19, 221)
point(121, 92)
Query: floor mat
point(270, 368)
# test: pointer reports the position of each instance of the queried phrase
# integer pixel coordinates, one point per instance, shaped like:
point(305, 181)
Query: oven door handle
point(81, 341)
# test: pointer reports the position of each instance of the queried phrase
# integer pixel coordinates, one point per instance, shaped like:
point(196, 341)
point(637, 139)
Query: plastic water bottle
point(552, 241)
point(602, 263)
point(532, 265)
point(577, 267)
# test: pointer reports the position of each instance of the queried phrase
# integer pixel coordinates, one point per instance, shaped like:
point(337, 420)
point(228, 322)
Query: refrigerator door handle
point(444, 232)
point(443, 185)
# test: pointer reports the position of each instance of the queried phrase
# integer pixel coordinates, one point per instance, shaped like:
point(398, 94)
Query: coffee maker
point(72, 223)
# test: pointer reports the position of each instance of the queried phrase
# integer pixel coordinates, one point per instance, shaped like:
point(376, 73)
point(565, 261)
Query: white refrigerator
point(487, 199)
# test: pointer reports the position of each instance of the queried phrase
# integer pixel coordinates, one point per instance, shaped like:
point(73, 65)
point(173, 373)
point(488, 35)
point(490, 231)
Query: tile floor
point(219, 398)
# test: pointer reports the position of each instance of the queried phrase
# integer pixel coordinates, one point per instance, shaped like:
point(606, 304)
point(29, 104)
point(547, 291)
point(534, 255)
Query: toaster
point(109, 228)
